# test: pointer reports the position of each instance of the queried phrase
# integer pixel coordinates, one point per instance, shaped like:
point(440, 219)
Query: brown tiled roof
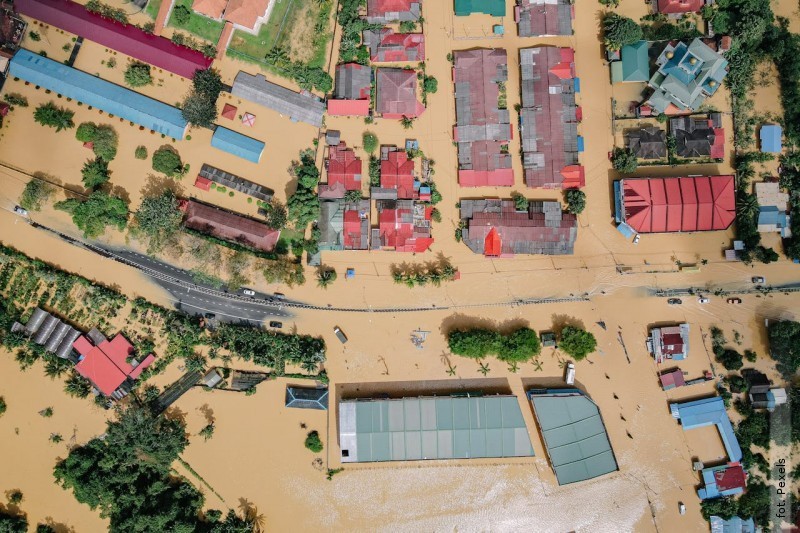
point(228, 226)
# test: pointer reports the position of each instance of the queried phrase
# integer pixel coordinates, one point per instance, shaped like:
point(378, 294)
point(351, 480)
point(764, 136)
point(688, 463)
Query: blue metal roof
point(237, 144)
point(705, 412)
point(769, 215)
point(771, 138)
point(93, 91)
point(732, 525)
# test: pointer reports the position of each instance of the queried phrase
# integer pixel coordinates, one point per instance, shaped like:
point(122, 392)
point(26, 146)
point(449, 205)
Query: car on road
point(759, 279)
point(734, 301)
point(248, 292)
point(210, 316)
point(636, 239)
point(674, 301)
point(279, 296)
point(21, 211)
point(276, 324)
point(340, 334)
point(703, 300)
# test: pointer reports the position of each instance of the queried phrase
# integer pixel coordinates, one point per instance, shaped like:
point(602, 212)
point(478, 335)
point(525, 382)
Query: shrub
point(182, 14)
point(3, 405)
point(520, 202)
point(370, 142)
point(16, 99)
point(521, 344)
point(619, 31)
point(36, 193)
point(430, 85)
point(730, 359)
point(15, 497)
point(577, 342)
point(167, 161)
point(624, 160)
point(53, 116)
point(576, 201)
point(105, 142)
point(95, 173)
point(34, 36)
point(86, 131)
point(313, 442)
point(138, 74)
point(140, 152)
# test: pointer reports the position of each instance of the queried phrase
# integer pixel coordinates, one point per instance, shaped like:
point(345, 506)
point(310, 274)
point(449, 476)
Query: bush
point(86, 131)
point(624, 160)
point(138, 74)
point(53, 116)
point(577, 342)
point(370, 142)
point(520, 345)
point(95, 173)
point(3, 405)
point(730, 359)
point(16, 99)
point(167, 161)
point(313, 442)
point(619, 31)
point(576, 201)
point(140, 152)
point(36, 193)
point(520, 202)
point(105, 142)
point(182, 14)
point(430, 85)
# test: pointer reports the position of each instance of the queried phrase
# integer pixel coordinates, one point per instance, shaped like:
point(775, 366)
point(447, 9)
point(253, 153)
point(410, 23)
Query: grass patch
point(152, 8)
point(258, 45)
point(201, 26)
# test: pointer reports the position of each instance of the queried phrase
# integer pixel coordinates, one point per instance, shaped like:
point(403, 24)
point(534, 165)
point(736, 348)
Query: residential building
point(247, 15)
point(299, 107)
point(649, 142)
point(549, 118)
point(110, 365)
point(126, 39)
point(707, 412)
point(432, 427)
point(494, 8)
point(237, 144)
point(537, 18)
point(669, 342)
point(305, 398)
point(483, 126)
point(397, 175)
point(687, 204)
point(403, 226)
point(351, 93)
point(762, 394)
point(698, 136)
point(212, 9)
point(720, 481)
point(228, 226)
point(634, 65)
point(104, 95)
point(773, 209)
point(343, 172)
point(386, 11)
point(732, 525)
point(212, 378)
point(12, 30)
point(679, 7)
point(387, 46)
point(232, 181)
point(49, 331)
point(574, 434)
point(495, 228)
point(686, 76)
point(770, 136)
point(343, 225)
point(397, 93)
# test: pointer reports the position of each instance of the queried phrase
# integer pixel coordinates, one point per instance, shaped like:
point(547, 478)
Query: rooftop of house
point(769, 194)
point(669, 342)
point(634, 65)
point(723, 480)
point(108, 364)
point(397, 172)
point(228, 226)
point(544, 17)
point(770, 136)
point(352, 82)
point(403, 225)
point(397, 93)
point(246, 13)
point(305, 398)
point(237, 144)
point(383, 11)
point(12, 29)
point(649, 142)
point(707, 412)
point(697, 137)
point(302, 107)
point(494, 8)
point(343, 225)
point(672, 7)
point(386, 46)
point(210, 8)
point(343, 169)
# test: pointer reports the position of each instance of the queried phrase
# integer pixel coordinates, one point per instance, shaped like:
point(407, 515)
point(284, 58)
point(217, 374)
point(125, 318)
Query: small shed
point(229, 111)
point(332, 137)
point(305, 398)
point(672, 379)
point(771, 138)
point(548, 338)
point(202, 183)
point(212, 378)
point(249, 120)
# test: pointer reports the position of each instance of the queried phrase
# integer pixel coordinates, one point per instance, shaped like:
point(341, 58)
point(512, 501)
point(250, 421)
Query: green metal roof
point(408, 429)
point(495, 8)
point(635, 62)
point(574, 435)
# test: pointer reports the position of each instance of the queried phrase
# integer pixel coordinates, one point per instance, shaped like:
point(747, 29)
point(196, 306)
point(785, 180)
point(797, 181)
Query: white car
point(248, 292)
point(21, 211)
point(636, 239)
point(703, 300)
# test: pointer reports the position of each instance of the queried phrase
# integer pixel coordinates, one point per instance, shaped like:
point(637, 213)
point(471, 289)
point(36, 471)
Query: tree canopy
point(95, 173)
point(624, 160)
point(304, 204)
point(620, 31)
point(51, 115)
point(36, 192)
point(370, 142)
point(200, 106)
point(167, 160)
point(103, 138)
point(138, 74)
point(576, 201)
point(13, 524)
point(784, 345)
point(157, 220)
point(519, 345)
point(577, 342)
point(94, 214)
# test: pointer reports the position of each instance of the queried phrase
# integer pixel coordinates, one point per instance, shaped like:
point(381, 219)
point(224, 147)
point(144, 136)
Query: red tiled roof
point(127, 39)
point(246, 12)
point(106, 365)
point(659, 205)
point(202, 183)
point(671, 343)
point(229, 226)
point(397, 172)
point(395, 47)
point(381, 7)
point(732, 477)
point(502, 177)
point(83, 345)
point(344, 168)
point(397, 93)
point(672, 379)
point(718, 148)
point(359, 108)
point(352, 230)
point(493, 244)
point(679, 6)
point(210, 8)
point(398, 232)
point(229, 111)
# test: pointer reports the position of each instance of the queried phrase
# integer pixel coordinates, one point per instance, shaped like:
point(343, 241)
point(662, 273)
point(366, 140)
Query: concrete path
point(163, 16)
point(224, 40)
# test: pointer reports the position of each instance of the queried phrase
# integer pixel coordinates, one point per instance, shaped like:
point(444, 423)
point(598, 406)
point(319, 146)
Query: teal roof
point(447, 427)
point(91, 90)
point(771, 138)
point(635, 62)
point(574, 434)
point(237, 144)
point(495, 8)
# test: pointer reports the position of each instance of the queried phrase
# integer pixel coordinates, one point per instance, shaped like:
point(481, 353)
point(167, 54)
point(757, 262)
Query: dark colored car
point(276, 324)
point(674, 301)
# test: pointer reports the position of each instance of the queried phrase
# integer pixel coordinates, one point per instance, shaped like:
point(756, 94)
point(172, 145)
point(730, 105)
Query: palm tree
point(484, 368)
point(747, 206)
point(537, 365)
point(398, 276)
point(513, 367)
point(407, 122)
point(325, 276)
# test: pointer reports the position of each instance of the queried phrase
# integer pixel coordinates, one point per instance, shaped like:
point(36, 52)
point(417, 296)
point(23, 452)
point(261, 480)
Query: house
point(228, 226)
point(773, 209)
point(494, 8)
point(386, 46)
point(698, 136)
point(724, 480)
point(634, 65)
point(126, 39)
point(762, 394)
point(686, 76)
point(96, 92)
point(707, 412)
point(305, 398)
point(397, 175)
point(343, 225)
point(237, 144)
point(212, 378)
point(397, 93)
point(109, 364)
point(12, 30)
point(403, 226)
point(495, 228)
point(649, 142)
point(679, 7)
point(299, 107)
point(732, 525)
point(538, 18)
point(670, 342)
point(343, 171)
point(49, 331)
point(385, 11)
point(770, 136)
point(351, 94)
point(549, 118)
point(247, 15)
point(663, 205)
point(483, 126)
point(232, 181)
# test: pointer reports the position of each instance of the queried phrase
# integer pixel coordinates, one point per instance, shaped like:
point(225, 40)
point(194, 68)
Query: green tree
point(199, 110)
point(207, 82)
point(725, 508)
point(86, 131)
point(140, 152)
point(730, 359)
point(182, 14)
point(36, 193)
point(620, 31)
point(624, 160)
point(520, 345)
point(95, 173)
point(370, 142)
point(313, 442)
point(167, 160)
point(13, 524)
point(576, 201)
point(577, 342)
point(430, 84)
point(138, 74)
point(157, 220)
point(208, 431)
point(408, 26)
point(51, 115)
point(77, 386)
point(325, 276)
point(275, 213)
point(784, 345)
point(3, 406)
point(94, 214)
point(520, 202)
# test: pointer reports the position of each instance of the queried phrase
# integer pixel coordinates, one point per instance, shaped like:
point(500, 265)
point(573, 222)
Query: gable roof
point(697, 137)
point(706, 412)
point(494, 8)
point(383, 11)
point(544, 17)
point(403, 225)
point(228, 226)
point(648, 143)
point(386, 46)
point(124, 38)
point(237, 144)
point(303, 107)
point(210, 8)
point(352, 82)
point(246, 12)
point(397, 93)
point(770, 135)
point(635, 62)
point(397, 172)
point(344, 167)
point(106, 365)
point(343, 225)
point(679, 6)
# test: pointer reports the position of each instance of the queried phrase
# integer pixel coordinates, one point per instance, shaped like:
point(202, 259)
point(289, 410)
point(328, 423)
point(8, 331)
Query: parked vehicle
point(276, 324)
point(210, 316)
point(703, 300)
point(21, 211)
point(279, 296)
point(340, 334)
point(248, 292)
point(636, 239)
point(734, 301)
point(759, 279)
point(570, 373)
point(681, 508)
point(674, 301)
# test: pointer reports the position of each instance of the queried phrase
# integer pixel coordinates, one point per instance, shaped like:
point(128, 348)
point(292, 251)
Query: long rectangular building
point(422, 428)
point(99, 93)
point(302, 107)
point(228, 226)
point(549, 118)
